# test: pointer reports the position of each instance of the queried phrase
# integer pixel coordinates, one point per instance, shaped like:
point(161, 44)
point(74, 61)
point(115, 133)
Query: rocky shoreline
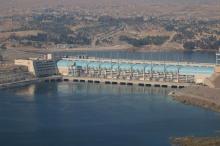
point(205, 97)
point(196, 141)
point(18, 83)
point(26, 82)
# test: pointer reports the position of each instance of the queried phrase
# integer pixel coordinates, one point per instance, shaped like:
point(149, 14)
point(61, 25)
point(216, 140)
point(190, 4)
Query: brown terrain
point(169, 9)
point(203, 96)
point(196, 141)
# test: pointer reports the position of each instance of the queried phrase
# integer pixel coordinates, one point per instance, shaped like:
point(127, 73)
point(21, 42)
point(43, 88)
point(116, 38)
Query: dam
point(83, 68)
point(129, 72)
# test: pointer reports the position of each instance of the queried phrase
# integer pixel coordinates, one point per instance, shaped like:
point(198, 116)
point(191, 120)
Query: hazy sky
point(37, 2)
point(6, 5)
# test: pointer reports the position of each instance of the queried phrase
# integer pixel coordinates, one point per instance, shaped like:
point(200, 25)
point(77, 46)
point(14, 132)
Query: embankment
point(196, 141)
point(19, 83)
point(205, 97)
point(213, 81)
point(28, 82)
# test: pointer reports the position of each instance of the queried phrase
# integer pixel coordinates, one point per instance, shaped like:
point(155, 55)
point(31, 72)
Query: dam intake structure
point(131, 72)
point(120, 71)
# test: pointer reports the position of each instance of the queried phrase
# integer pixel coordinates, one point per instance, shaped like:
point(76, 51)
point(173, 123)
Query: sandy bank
point(204, 97)
point(196, 141)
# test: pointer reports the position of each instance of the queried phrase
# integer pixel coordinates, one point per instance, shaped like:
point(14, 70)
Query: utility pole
point(119, 70)
point(178, 70)
point(111, 65)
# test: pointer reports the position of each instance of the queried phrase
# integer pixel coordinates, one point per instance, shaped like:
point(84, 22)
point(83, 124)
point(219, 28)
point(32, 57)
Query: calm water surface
point(70, 114)
point(187, 56)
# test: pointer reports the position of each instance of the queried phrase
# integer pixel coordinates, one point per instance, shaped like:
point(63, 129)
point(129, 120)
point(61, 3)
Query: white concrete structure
point(39, 67)
point(142, 70)
point(217, 67)
point(218, 58)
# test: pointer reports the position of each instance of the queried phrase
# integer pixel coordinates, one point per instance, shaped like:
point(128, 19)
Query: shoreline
point(20, 83)
point(192, 95)
point(105, 48)
point(196, 141)
point(23, 83)
point(203, 97)
point(123, 48)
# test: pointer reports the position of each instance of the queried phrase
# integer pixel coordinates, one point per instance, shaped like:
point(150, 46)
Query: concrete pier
point(126, 82)
point(96, 81)
point(19, 83)
point(30, 81)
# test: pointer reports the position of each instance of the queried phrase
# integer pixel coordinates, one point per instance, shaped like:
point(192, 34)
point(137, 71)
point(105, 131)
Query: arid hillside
point(141, 25)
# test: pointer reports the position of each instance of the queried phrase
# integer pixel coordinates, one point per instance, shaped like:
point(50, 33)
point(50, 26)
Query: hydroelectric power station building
point(139, 70)
point(122, 71)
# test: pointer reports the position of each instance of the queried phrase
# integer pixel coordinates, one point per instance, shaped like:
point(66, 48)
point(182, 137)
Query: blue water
point(75, 114)
point(186, 56)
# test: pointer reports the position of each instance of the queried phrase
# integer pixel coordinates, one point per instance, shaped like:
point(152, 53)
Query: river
point(80, 114)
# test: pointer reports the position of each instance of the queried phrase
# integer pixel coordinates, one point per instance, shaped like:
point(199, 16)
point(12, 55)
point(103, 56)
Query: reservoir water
point(186, 56)
point(79, 114)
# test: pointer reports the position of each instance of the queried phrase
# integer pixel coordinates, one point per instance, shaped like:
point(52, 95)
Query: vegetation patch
point(149, 40)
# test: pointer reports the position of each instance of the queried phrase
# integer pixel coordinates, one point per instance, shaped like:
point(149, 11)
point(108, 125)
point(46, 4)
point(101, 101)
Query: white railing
point(93, 59)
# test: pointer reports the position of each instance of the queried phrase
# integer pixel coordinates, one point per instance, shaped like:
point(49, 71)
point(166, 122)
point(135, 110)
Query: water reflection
point(51, 90)
point(101, 89)
point(27, 93)
point(82, 114)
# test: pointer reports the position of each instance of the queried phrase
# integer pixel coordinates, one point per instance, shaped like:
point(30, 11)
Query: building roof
point(184, 69)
